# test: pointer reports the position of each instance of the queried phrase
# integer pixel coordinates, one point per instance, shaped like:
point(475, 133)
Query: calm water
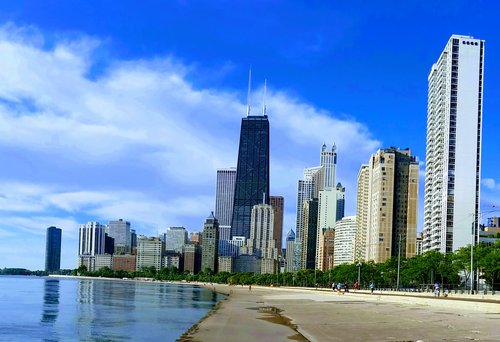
point(51, 309)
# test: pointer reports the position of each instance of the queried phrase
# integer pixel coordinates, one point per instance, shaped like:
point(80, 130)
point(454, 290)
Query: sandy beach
point(280, 314)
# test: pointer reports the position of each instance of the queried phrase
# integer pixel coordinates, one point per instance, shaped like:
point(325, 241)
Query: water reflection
point(50, 301)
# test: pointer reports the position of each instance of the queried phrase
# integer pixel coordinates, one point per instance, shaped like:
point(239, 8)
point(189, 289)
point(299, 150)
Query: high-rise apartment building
point(252, 173)
point(453, 153)
point(278, 203)
point(175, 239)
point(327, 247)
point(192, 258)
point(210, 244)
point(53, 249)
point(261, 241)
point(150, 251)
point(362, 212)
point(120, 232)
point(307, 189)
point(345, 235)
point(340, 202)
point(393, 201)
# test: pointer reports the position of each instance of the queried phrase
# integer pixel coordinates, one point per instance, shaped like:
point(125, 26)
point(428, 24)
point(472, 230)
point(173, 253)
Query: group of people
point(340, 287)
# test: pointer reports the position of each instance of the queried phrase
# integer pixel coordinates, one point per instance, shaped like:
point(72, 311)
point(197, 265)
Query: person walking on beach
point(436, 289)
point(250, 287)
point(333, 286)
point(372, 287)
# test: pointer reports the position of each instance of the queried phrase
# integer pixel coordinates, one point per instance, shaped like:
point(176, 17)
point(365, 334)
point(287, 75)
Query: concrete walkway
point(280, 314)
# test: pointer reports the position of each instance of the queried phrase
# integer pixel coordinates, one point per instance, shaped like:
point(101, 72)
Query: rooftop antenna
point(264, 111)
point(249, 86)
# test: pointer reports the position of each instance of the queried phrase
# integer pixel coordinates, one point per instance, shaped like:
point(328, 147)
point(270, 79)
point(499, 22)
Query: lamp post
point(472, 260)
point(399, 262)
point(359, 274)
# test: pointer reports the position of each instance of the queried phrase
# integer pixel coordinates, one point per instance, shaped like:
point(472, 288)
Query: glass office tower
point(53, 249)
point(252, 172)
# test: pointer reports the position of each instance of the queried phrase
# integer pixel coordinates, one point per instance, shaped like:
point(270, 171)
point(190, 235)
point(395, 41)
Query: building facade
point(453, 146)
point(278, 204)
point(252, 173)
point(92, 239)
point(192, 258)
point(310, 234)
point(362, 212)
point(125, 262)
point(224, 196)
point(290, 242)
point(393, 202)
point(175, 239)
point(327, 201)
point(210, 244)
point(340, 202)
point(120, 231)
point(53, 249)
point(261, 241)
point(150, 251)
point(345, 236)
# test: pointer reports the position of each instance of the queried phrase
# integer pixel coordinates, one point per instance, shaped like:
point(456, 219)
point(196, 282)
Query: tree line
point(451, 270)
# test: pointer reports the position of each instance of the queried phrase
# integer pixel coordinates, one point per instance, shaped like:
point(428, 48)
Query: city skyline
point(101, 123)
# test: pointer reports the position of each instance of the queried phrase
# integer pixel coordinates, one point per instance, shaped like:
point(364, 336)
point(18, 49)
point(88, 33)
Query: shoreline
point(277, 314)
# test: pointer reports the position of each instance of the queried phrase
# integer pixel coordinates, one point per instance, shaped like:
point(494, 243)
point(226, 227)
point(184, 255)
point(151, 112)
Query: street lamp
point(399, 262)
point(359, 274)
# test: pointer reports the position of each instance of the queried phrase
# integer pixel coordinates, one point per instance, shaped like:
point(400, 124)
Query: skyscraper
point(362, 211)
point(453, 151)
point(224, 195)
point(120, 231)
point(175, 239)
point(340, 202)
point(278, 203)
point(252, 173)
point(150, 251)
point(290, 241)
point(92, 239)
point(307, 189)
point(393, 201)
point(261, 241)
point(53, 249)
point(210, 243)
point(327, 204)
point(310, 233)
point(345, 235)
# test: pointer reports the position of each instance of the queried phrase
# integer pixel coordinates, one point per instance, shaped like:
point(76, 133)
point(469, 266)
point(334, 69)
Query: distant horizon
point(127, 112)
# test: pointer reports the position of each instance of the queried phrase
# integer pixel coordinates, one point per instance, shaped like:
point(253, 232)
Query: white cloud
point(139, 141)
point(489, 183)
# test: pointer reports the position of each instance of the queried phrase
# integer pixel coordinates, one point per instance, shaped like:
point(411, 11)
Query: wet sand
point(281, 314)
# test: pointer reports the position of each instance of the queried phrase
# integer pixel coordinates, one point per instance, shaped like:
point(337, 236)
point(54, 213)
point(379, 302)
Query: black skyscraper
point(252, 173)
point(53, 249)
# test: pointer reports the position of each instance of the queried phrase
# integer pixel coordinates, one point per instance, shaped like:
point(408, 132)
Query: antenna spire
point(264, 109)
point(249, 87)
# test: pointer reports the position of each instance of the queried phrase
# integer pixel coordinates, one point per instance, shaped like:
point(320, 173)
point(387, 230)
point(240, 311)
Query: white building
point(91, 239)
point(362, 212)
point(453, 155)
point(345, 235)
point(149, 252)
point(224, 201)
point(327, 207)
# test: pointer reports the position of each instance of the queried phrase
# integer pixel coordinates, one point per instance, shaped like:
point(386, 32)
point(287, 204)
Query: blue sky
point(117, 110)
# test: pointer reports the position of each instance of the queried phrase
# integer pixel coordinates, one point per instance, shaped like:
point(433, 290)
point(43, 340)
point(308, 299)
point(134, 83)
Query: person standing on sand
point(372, 287)
point(250, 287)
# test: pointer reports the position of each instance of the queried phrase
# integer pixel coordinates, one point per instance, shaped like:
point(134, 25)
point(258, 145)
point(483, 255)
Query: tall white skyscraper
point(91, 239)
point(453, 155)
point(307, 189)
point(327, 207)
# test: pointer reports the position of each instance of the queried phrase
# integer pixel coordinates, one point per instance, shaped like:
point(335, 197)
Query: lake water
point(52, 309)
